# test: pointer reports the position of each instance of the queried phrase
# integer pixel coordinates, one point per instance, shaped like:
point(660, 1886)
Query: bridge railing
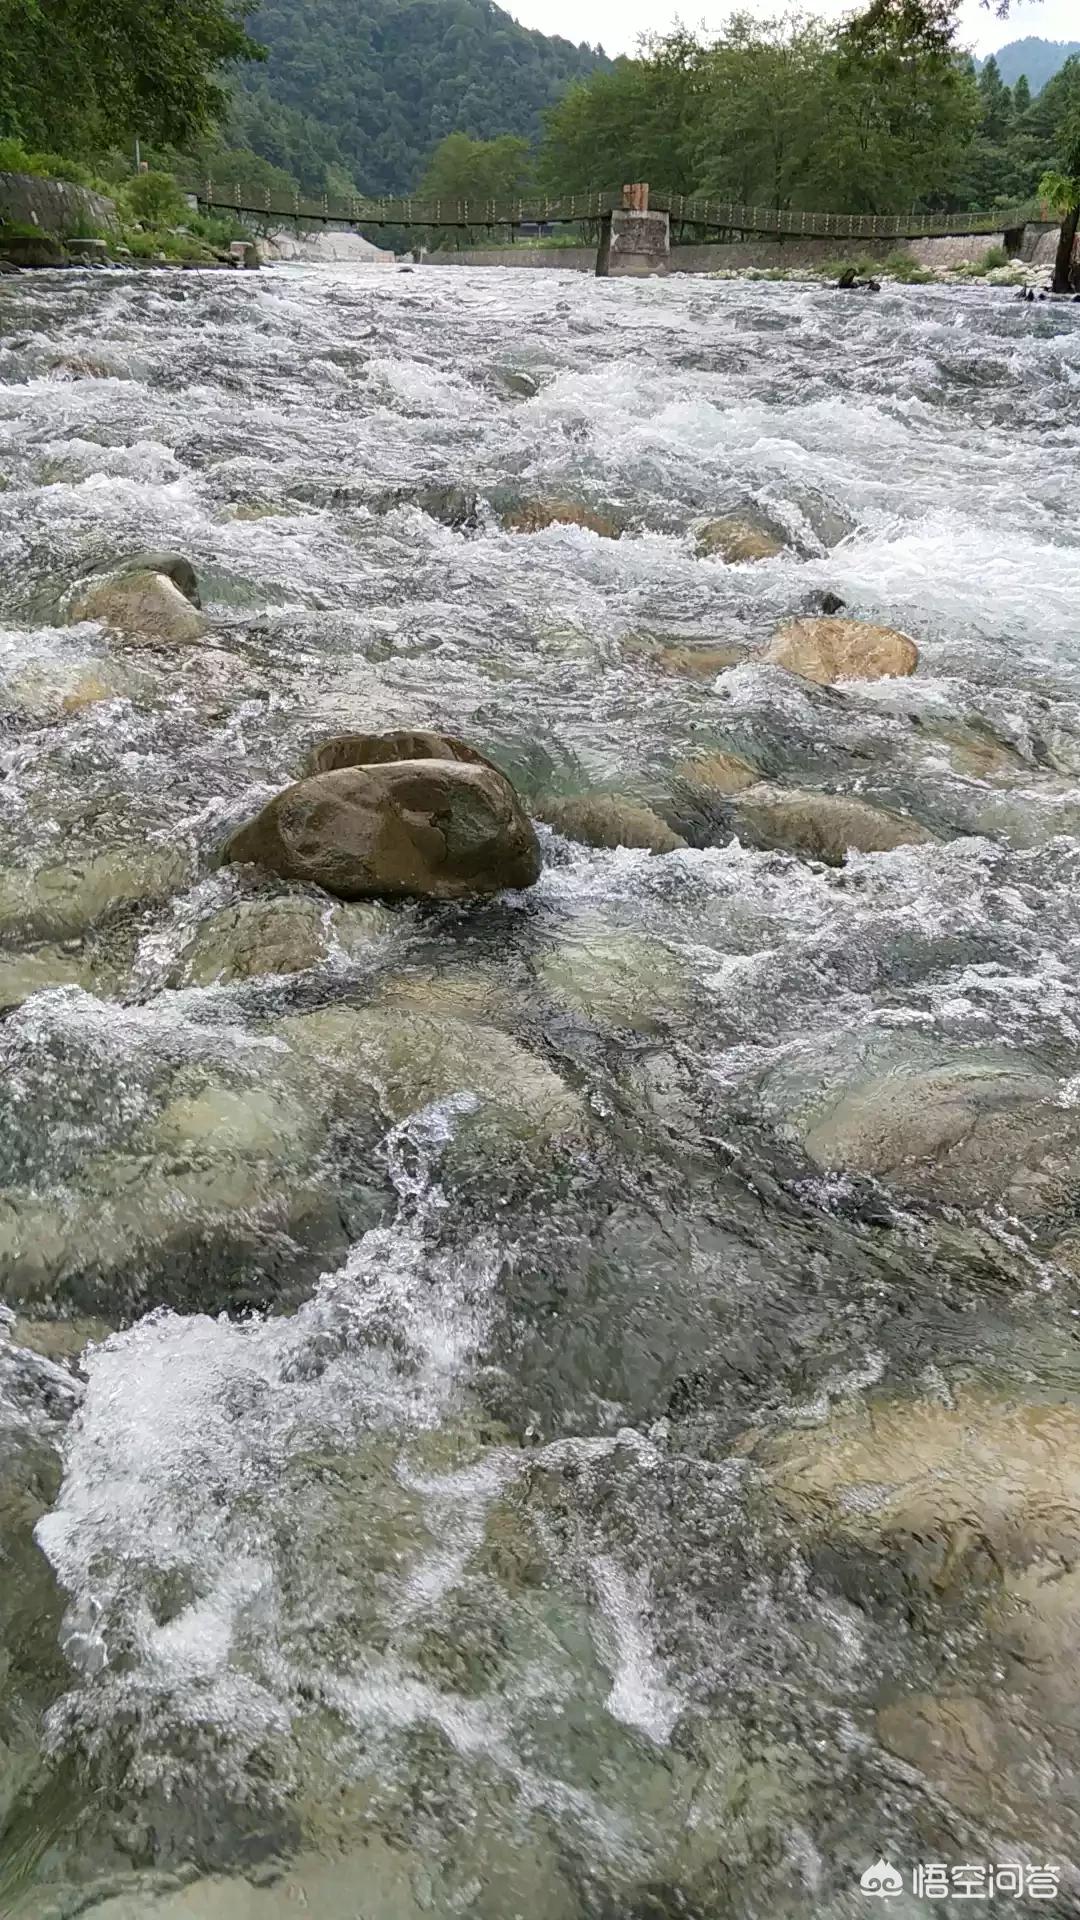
point(723, 216)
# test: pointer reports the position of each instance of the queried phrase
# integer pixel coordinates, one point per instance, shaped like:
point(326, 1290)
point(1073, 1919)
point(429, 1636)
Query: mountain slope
point(386, 79)
point(1039, 59)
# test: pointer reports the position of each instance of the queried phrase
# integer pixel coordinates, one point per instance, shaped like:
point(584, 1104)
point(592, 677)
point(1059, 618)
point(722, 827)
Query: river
point(566, 1406)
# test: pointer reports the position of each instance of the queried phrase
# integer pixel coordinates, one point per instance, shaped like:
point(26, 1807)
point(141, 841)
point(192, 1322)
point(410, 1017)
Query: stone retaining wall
point(577, 259)
point(56, 206)
point(947, 250)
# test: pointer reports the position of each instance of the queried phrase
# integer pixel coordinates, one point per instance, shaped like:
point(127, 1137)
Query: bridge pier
point(633, 240)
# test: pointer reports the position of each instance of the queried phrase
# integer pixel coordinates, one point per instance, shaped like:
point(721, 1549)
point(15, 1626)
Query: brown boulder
point(436, 829)
point(378, 749)
point(822, 826)
point(700, 663)
point(532, 516)
point(829, 650)
point(143, 606)
point(607, 820)
point(719, 772)
point(737, 541)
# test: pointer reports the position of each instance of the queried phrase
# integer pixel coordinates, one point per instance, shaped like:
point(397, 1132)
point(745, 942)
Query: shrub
point(905, 268)
point(994, 257)
point(155, 199)
point(15, 158)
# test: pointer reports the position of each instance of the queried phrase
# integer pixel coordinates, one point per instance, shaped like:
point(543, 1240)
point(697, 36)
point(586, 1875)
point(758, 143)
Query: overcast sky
point(617, 23)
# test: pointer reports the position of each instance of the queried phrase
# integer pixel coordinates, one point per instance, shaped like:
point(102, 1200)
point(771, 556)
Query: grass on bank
point(155, 220)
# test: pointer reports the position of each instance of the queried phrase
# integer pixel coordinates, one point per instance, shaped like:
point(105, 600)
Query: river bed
point(568, 1405)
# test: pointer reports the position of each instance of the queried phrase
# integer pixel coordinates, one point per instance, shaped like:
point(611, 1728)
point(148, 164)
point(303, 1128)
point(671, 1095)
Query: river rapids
point(566, 1408)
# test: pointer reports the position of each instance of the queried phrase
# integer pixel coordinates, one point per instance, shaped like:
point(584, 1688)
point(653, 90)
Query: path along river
point(570, 1406)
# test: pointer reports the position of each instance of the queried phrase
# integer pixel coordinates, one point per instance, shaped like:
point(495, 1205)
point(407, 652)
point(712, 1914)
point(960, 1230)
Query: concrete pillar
point(632, 239)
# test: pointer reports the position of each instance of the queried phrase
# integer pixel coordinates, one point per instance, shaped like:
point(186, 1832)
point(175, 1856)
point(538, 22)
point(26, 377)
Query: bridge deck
point(723, 216)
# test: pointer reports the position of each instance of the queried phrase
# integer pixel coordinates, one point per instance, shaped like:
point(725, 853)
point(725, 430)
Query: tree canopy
point(880, 115)
point(80, 75)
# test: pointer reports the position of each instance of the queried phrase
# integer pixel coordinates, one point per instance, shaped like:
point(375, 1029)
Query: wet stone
point(256, 937)
point(442, 829)
point(821, 826)
point(535, 516)
point(58, 901)
point(828, 650)
point(607, 820)
point(737, 541)
point(140, 607)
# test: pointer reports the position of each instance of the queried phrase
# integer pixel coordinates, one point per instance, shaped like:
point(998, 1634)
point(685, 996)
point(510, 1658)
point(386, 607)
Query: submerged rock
point(622, 978)
point(719, 772)
point(698, 662)
point(437, 829)
point(455, 507)
point(413, 1058)
point(287, 934)
point(976, 1128)
point(974, 750)
point(24, 974)
point(54, 902)
point(737, 541)
point(141, 605)
point(175, 566)
point(607, 820)
point(533, 516)
point(827, 650)
point(978, 1473)
point(823, 826)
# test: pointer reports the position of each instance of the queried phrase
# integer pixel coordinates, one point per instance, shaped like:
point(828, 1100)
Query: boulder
point(435, 829)
point(607, 820)
point(286, 934)
point(59, 902)
point(32, 250)
point(719, 772)
point(737, 541)
point(827, 650)
point(698, 663)
point(624, 979)
point(406, 1059)
point(823, 826)
point(532, 516)
point(977, 1129)
point(142, 606)
point(175, 566)
point(379, 749)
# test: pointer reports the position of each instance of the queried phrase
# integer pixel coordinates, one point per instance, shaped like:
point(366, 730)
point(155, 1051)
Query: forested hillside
point(1038, 60)
point(380, 82)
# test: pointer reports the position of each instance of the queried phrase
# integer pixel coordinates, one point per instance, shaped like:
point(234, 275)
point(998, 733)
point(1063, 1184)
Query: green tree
point(1062, 189)
point(995, 104)
point(906, 106)
point(1021, 96)
point(479, 170)
point(763, 101)
point(83, 75)
point(637, 121)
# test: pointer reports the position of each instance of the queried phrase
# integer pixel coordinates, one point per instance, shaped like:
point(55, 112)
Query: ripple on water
point(451, 1341)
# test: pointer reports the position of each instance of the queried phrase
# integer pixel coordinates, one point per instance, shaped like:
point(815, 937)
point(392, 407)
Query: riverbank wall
point(947, 250)
point(56, 206)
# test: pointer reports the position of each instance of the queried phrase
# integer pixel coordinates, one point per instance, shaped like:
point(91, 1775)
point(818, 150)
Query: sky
point(616, 24)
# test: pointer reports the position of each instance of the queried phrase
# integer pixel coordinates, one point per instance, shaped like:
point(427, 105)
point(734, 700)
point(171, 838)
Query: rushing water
point(571, 1407)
